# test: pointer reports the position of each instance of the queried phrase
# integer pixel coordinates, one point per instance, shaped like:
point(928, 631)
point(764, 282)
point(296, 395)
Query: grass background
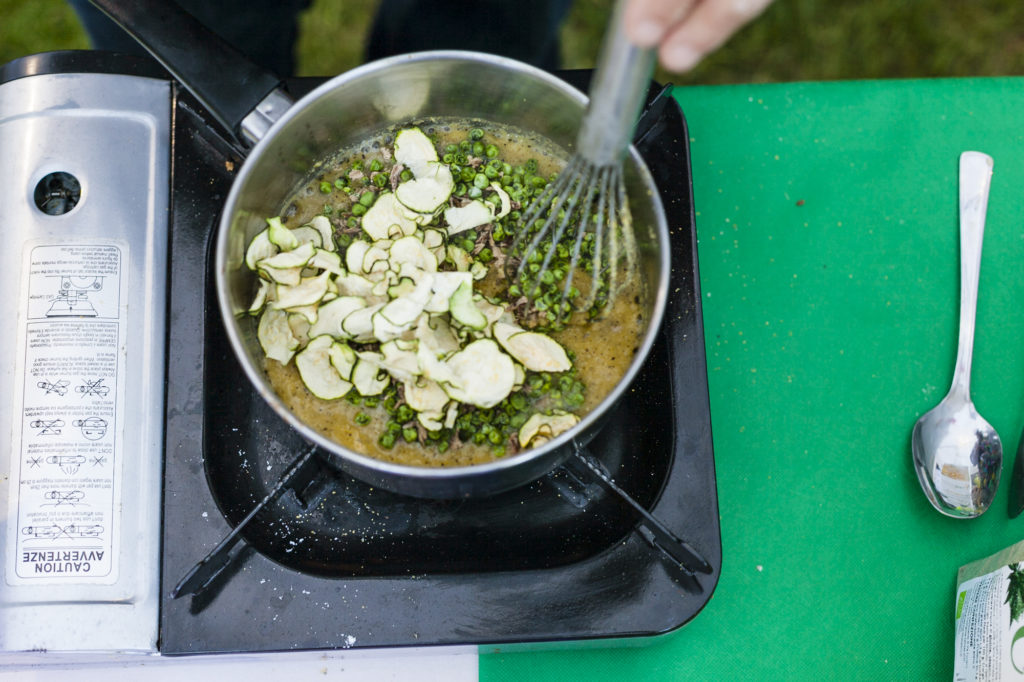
point(794, 40)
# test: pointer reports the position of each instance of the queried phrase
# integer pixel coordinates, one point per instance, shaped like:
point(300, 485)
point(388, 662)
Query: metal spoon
point(957, 454)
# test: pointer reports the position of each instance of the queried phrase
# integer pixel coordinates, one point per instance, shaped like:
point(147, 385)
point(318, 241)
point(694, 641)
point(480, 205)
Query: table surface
point(829, 257)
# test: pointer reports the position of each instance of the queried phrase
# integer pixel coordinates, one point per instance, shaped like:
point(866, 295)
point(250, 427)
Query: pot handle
point(230, 86)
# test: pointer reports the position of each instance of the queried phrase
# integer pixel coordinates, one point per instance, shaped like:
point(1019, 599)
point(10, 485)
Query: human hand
point(685, 31)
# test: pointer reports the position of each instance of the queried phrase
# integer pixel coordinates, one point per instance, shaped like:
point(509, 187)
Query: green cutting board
point(829, 261)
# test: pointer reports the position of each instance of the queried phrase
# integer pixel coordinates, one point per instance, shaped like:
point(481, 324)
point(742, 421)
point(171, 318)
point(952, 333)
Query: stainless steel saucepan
point(290, 140)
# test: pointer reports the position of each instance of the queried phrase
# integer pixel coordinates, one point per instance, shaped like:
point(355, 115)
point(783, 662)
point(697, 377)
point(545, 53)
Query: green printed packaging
point(990, 618)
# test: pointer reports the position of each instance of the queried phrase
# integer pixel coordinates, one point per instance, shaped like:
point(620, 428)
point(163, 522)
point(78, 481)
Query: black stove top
point(342, 564)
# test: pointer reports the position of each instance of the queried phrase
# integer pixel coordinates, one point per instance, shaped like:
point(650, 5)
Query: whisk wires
point(580, 222)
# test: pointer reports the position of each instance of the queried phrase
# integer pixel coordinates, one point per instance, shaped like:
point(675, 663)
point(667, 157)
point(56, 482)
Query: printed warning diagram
point(73, 360)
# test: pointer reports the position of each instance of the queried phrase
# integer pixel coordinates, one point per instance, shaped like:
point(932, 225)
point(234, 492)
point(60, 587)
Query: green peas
point(405, 175)
point(478, 149)
point(376, 165)
point(409, 434)
point(476, 134)
point(358, 210)
point(362, 418)
point(325, 187)
point(380, 180)
point(386, 440)
point(367, 198)
point(490, 151)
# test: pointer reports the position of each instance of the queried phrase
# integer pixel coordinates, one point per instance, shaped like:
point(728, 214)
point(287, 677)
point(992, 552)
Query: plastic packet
point(989, 642)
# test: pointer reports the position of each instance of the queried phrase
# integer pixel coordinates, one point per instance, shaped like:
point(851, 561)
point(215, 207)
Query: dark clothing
point(266, 30)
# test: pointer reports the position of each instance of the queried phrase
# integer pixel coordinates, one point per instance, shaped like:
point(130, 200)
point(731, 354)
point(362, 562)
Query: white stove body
point(85, 165)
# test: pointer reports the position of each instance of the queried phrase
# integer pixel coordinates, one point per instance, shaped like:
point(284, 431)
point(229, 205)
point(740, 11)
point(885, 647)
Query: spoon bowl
point(958, 458)
point(957, 455)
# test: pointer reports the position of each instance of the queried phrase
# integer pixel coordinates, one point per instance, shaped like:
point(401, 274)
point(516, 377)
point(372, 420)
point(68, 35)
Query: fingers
point(710, 24)
point(648, 22)
point(685, 31)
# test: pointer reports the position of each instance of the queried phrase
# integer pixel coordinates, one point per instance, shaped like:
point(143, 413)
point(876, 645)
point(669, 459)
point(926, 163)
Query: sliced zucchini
point(322, 225)
point(326, 260)
point(491, 312)
point(331, 314)
point(318, 372)
point(445, 284)
point(478, 270)
point(300, 328)
point(435, 369)
point(386, 213)
point(451, 414)
point(434, 332)
point(429, 191)
point(538, 352)
point(458, 257)
point(260, 248)
point(413, 251)
point(405, 285)
point(485, 374)
point(280, 236)
point(305, 234)
point(540, 428)
point(400, 314)
point(375, 260)
point(358, 325)
point(504, 198)
point(425, 395)
point(368, 378)
point(414, 150)
point(297, 257)
point(343, 358)
point(462, 218)
point(307, 313)
point(290, 277)
point(433, 239)
point(349, 284)
point(400, 362)
point(431, 421)
point(261, 297)
point(463, 310)
point(354, 255)
point(275, 335)
point(309, 291)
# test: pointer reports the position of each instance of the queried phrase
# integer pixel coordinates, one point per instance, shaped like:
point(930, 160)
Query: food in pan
point(387, 318)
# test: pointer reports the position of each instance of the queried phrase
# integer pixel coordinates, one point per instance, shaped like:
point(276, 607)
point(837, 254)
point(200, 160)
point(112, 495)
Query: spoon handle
point(975, 179)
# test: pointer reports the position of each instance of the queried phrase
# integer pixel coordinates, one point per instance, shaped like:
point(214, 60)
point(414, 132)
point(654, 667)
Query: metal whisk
point(584, 214)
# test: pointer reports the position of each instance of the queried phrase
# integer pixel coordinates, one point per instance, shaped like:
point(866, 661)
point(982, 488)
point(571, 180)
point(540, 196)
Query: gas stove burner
point(333, 562)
